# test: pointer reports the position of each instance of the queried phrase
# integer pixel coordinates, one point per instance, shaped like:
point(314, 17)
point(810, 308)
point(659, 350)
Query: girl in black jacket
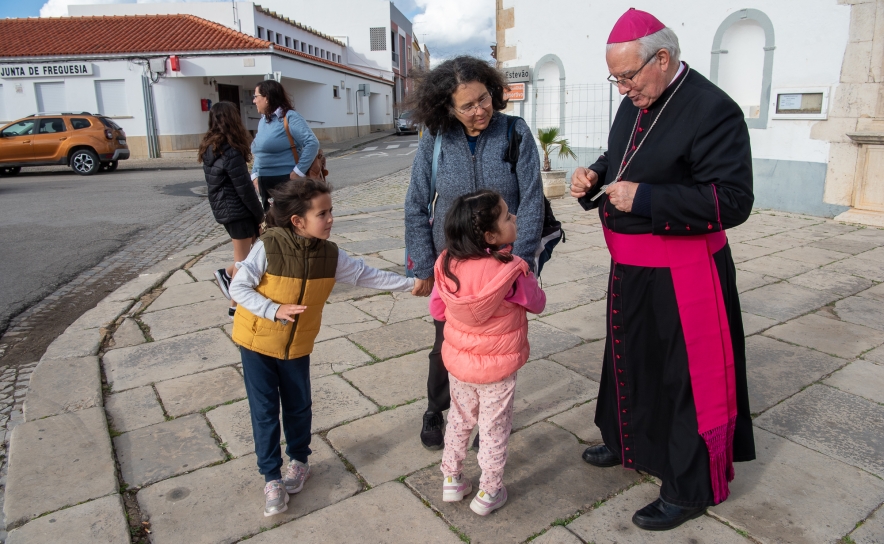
point(224, 152)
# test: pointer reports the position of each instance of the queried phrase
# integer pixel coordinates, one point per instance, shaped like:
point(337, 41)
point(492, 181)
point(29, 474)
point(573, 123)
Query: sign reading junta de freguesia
point(49, 69)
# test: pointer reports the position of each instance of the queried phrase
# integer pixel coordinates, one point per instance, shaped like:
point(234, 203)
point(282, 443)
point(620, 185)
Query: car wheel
point(84, 162)
point(11, 171)
point(109, 166)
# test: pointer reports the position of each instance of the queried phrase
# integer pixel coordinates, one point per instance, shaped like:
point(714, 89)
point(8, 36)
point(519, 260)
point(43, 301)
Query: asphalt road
point(55, 224)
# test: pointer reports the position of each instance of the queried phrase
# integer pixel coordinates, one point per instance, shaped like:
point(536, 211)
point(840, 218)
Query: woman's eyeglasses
point(470, 111)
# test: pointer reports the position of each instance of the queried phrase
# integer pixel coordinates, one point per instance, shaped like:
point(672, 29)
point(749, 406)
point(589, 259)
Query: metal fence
point(583, 114)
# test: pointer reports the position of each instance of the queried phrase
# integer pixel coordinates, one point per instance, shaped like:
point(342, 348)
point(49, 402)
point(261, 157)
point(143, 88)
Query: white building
point(157, 74)
point(808, 74)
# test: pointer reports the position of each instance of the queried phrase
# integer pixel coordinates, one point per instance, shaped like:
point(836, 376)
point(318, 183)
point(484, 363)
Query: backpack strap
point(437, 149)
point(514, 140)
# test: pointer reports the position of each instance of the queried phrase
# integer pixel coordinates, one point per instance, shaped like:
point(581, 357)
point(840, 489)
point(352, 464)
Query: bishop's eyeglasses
point(628, 81)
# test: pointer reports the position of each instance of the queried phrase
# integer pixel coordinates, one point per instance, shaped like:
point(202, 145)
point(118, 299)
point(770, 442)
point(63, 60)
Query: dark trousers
point(266, 183)
point(269, 383)
point(438, 394)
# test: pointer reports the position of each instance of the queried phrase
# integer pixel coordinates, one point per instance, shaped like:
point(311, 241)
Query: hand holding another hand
point(423, 288)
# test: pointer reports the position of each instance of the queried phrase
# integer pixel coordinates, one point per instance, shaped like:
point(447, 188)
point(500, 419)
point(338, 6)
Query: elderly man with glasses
point(673, 400)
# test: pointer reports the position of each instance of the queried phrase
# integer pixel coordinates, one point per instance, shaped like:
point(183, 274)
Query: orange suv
point(83, 141)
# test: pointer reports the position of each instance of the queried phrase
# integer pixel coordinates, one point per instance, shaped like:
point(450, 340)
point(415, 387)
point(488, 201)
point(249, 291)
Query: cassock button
point(618, 356)
point(623, 397)
point(622, 385)
point(616, 341)
point(709, 226)
point(640, 129)
point(629, 461)
point(627, 449)
point(645, 110)
point(616, 311)
point(634, 148)
point(625, 436)
point(620, 371)
point(616, 327)
point(624, 411)
point(688, 227)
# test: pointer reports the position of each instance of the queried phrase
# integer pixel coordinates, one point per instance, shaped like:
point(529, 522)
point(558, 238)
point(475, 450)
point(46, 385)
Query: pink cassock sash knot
point(706, 332)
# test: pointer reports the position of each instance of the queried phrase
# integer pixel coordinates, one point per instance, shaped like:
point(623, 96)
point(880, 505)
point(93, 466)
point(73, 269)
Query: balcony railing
point(395, 57)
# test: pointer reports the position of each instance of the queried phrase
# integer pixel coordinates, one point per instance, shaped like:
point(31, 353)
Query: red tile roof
point(38, 37)
point(131, 34)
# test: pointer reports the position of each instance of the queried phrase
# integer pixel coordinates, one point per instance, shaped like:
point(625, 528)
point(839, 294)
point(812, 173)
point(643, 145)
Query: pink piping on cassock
point(707, 335)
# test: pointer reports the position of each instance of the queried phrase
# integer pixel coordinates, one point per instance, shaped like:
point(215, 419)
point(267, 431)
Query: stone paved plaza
point(140, 408)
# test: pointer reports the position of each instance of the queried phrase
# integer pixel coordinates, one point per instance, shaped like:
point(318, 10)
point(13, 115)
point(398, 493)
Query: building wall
point(810, 41)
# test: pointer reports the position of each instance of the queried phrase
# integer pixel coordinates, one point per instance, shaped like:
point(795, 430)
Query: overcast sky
point(448, 27)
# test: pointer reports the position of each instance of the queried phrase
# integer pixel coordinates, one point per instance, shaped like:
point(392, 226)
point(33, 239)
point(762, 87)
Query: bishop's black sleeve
point(600, 167)
point(721, 166)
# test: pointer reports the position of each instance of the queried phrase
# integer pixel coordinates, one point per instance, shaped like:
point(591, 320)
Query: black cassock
point(697, 164)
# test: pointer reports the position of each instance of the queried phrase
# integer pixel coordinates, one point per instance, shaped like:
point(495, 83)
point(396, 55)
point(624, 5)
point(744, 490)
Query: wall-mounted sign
point(514, 92)
point(805, 103)
point(517, 74)
point(52, 69)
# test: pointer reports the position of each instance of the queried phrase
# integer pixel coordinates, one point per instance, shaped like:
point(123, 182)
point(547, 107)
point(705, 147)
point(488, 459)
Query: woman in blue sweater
point(274, 162)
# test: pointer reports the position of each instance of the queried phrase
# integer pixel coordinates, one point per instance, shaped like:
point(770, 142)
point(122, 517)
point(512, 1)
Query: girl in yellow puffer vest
point(281, 289)
point(482, 292)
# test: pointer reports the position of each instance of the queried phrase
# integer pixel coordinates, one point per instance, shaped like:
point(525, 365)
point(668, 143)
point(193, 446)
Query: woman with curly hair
point(224, 153)
point(459, 102)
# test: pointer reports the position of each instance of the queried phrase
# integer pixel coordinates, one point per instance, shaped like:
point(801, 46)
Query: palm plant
point(549, 141)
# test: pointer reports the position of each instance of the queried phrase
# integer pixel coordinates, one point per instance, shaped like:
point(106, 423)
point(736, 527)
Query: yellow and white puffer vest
point(299, 271)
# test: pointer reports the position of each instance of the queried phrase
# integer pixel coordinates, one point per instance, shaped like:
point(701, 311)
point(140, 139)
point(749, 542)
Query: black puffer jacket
point(231, 193)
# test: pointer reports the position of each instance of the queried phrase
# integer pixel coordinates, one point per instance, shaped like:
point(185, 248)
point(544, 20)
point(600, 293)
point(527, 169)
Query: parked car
point(404, 124)
point(83, 141)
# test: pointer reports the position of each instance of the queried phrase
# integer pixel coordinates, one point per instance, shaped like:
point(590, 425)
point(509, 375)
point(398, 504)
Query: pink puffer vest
point(486, 337)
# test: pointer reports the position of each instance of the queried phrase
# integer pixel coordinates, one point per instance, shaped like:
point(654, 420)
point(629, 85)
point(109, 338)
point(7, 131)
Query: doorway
point(229, 93)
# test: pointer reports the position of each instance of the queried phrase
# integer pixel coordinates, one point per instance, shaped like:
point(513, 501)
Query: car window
point(51, 125)
point(80, 123)
point(405, 115)
point(109, 123)
point(22, 128)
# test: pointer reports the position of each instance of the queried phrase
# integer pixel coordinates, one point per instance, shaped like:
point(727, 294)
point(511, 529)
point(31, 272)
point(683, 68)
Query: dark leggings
point(269, 182)
point(438, 394)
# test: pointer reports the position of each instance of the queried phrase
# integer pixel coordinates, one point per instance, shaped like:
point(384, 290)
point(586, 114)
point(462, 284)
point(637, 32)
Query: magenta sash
point(706, 333)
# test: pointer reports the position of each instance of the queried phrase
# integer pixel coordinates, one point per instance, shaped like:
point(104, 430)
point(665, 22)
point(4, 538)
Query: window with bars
point(378, 38)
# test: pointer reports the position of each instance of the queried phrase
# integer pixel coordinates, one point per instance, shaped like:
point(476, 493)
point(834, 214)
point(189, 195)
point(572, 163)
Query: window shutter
point(50, 97)
point(111, 95)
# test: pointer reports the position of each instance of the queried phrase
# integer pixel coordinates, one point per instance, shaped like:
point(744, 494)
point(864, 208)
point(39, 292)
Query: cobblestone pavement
point(167, 430)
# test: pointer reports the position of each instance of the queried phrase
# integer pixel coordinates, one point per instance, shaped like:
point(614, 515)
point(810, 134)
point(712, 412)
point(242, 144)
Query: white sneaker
point(295, 475)
point(455, 489)
point(484, 503)
point(276, 500)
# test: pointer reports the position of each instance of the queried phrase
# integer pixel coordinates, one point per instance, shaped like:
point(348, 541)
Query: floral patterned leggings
point(491, 406)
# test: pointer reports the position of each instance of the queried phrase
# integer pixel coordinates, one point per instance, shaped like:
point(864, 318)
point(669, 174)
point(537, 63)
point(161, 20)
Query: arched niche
point(747, 24)
point(542, 85)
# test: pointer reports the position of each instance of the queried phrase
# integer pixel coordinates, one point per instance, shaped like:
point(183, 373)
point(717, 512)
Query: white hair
point(662, 39)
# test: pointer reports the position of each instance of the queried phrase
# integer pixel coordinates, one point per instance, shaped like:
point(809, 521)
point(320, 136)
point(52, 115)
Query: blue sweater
point(272, 151)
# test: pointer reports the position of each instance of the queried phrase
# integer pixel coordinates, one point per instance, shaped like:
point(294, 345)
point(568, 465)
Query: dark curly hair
point(225, 127)
point(430, 102)
point(469, 218)
point(276, 97)
point(294, 197)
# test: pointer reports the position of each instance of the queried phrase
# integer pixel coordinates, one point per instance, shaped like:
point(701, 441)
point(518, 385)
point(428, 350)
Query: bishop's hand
point(582, 180)
point(620, 195)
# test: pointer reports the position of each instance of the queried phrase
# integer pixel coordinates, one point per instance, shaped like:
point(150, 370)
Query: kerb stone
point(166, 449)
point(56, 462)
point(224, 503)
point(387, 514)
point(166, 359)
point(63, 385)
point(102, 521)
point(536, 495)
point(183, 295)
point(184, 319)
point(128, 334)
point(133, 409)
point(74, 343)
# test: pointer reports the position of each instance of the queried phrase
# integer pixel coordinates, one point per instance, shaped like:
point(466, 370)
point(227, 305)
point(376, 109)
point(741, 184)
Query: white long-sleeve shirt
point(349, 270)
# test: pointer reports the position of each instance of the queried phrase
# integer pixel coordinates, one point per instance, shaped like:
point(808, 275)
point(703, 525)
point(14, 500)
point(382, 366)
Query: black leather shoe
point(662, 516)
point(432, 436)
point(600, 456)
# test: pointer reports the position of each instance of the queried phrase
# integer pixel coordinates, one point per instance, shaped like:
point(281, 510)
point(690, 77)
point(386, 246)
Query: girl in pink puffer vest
point(482, 292)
